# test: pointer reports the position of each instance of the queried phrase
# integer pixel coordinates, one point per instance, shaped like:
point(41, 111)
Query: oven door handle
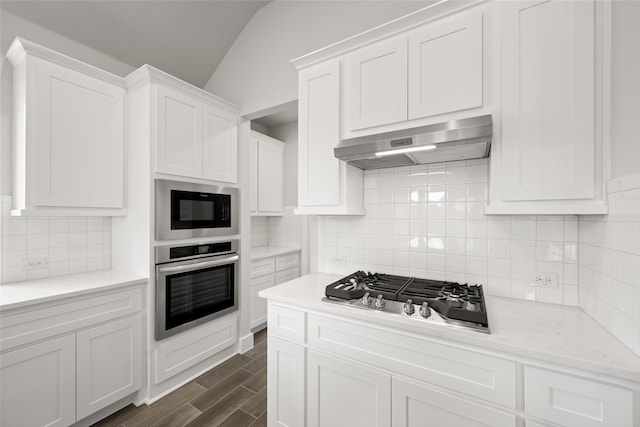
point(199, 265)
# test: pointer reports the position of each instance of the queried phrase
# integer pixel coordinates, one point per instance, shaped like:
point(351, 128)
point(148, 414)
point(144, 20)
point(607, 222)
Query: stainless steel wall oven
point(185, 210)
point(195, 284)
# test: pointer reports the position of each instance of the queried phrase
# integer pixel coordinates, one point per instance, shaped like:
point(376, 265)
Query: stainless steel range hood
point(462, 139)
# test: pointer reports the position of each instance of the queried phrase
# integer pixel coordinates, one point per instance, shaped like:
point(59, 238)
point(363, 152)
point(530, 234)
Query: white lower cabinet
point(267, 272)
point(341, 393)
point(108, 357)
point(285, 387)
point(331, 371)
point(416, 405)
point(63, 361)
point(37, 384)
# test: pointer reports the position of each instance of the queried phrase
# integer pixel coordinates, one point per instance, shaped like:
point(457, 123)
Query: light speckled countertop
point(269, 251)
point(546, 332)
point(29, 292)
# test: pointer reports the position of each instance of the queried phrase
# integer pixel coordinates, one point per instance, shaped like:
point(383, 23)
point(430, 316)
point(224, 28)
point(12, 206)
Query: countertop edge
point(99, 279)
point(271, 251)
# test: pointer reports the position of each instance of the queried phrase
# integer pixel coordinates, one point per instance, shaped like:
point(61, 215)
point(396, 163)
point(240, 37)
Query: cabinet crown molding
point(20, 47)
point(404, 23)
point(149, 74)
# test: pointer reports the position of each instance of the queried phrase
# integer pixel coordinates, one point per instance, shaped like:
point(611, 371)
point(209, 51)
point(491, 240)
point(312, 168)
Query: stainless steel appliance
point(433, 301)
point(195, 284)
point(463, 139)
point(185, 210)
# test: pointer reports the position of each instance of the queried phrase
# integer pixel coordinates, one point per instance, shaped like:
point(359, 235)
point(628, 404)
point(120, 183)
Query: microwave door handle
point(197, 266)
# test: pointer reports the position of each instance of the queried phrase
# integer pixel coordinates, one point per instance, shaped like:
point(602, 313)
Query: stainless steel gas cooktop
point(432, 301)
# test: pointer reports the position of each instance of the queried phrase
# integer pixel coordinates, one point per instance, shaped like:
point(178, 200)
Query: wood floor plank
point(260, 336)
point(219, 390)
point(223, 408)
point(180, 417)
point(257, 405)
point(261, 421)
point(121, 416)
point(256, 364)
point(257, 350)
point(257, 381)
point(166, 405)
point(238, 419)
point(223, 370)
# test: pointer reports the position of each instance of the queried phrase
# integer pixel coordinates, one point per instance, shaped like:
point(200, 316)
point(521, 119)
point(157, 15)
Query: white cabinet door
point(219, 145)
point(259, 305)
point(326, 185)
point(38, 384)
point(548, 139)
point(417, 405)
point(253, 170)
point(76, 134)
point(270, 177)
point(109, 361)
point(319, 171)
point(377, 89)
point(285, 385)
point(445, 67)
point(178, 133)
point(346, 394)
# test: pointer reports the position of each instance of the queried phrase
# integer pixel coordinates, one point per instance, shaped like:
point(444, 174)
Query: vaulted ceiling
point(187, 39)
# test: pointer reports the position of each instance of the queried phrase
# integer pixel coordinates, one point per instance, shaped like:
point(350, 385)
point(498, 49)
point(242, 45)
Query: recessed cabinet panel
point(219, 145)
point(37, 386)
point(378, 85)
point(286, 367)
point(253, 207)
point(179, 133)
point(445, 67)
point(342, 393)
point(548, 134)
point(319, 127)
point(79, 135)
point(417, 405)
point(259, 305)
point(110, 359)
point(270, 177)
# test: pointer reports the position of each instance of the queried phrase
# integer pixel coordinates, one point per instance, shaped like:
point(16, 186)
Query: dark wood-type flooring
point(233, 394)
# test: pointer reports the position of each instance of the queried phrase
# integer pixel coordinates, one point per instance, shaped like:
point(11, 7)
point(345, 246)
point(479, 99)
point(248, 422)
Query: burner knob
point(379, 303)
point(425, 311)
point(408, 308)
point(366, 301)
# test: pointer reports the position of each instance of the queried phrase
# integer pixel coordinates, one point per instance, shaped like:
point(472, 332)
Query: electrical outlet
point(29, 264)
point(340, 260)
point(543, 279)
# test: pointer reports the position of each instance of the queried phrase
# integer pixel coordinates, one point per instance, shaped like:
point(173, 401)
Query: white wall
point(12, 26)
point(625, 88)
point(256, 73)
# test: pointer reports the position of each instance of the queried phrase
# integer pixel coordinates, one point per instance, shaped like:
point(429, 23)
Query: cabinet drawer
point(572, 401)
point(284, 262)
point(286, 323)
point(46, 320)
point(260, 267)
point(286, 275)
point(464, 371)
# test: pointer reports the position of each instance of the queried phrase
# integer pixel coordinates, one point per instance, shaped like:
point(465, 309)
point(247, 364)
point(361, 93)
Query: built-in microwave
point(185, 210)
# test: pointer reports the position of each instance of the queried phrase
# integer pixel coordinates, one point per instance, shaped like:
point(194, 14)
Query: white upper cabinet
point(68, 135)
point(377, 89)
point(219, 145)
point(326, 185)
point(178, 133)
point(267, 175)
point(433, 70)
point(549, 158)
point(445, 67)
point(196, 132)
